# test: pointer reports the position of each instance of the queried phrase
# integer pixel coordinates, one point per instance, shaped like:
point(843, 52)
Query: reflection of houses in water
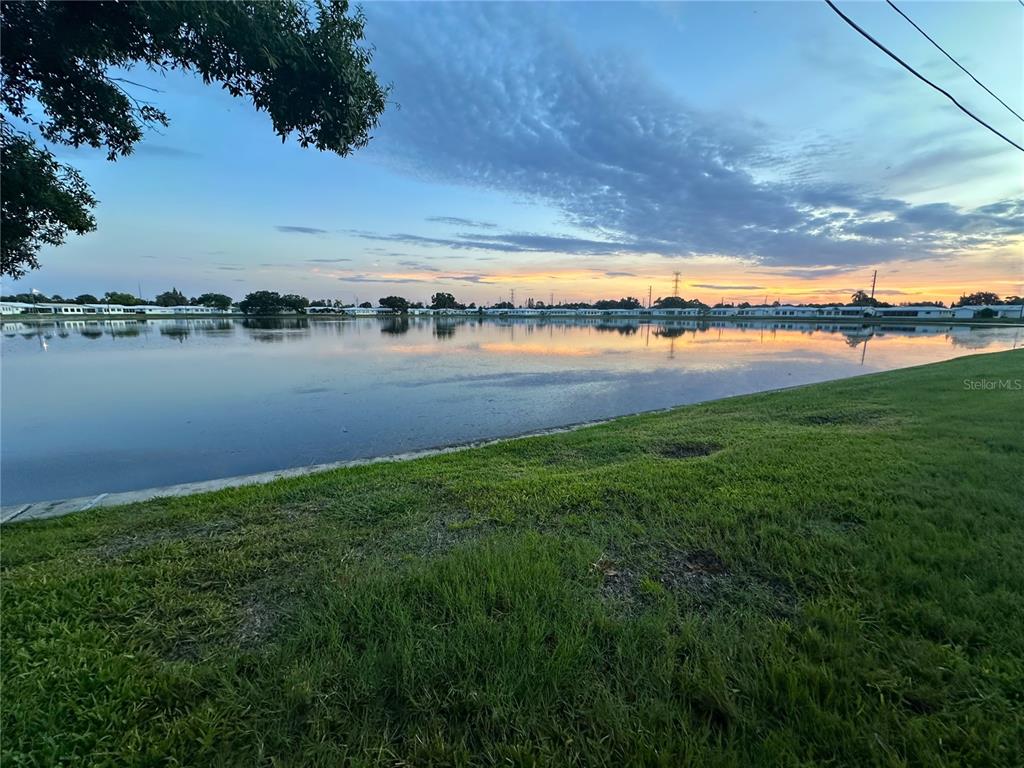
point(13, 329)
point(623, 327)
point(973, 337)
point(914, 330)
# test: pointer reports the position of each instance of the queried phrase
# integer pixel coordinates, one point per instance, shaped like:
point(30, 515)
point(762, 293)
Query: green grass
point(831, 575)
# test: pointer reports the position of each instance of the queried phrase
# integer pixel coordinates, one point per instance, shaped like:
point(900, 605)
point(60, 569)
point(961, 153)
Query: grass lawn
point(831, 575)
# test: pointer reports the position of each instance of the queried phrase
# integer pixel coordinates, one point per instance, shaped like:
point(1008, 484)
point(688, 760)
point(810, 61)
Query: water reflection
point(395, 325)
point(219, 397)
point(279, 329)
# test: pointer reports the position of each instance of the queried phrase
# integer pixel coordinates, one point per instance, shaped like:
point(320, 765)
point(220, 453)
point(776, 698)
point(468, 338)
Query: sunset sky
point(587, 151)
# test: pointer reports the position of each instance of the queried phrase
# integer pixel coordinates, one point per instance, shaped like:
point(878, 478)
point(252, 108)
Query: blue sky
point(587, 150)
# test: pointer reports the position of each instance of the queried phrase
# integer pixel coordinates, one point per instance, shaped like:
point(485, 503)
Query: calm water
point(120, 405)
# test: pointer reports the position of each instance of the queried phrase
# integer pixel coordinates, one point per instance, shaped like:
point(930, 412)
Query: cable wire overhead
point(944, 53)
point(921, 77)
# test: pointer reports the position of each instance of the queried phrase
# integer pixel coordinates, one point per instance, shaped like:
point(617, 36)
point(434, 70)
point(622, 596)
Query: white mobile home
point(1006, 311)
point(674, 312)
point(920, 312)
point(14, 308)
point(52, 308)
point(110, 309)
point(188, 309)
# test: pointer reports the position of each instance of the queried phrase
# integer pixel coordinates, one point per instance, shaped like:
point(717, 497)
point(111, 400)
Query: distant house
point(676, 312)
point(188, 309)
point(1006, 311)
point(842, 311)
point(926, 312)
point(51, 308)
point(14, 308)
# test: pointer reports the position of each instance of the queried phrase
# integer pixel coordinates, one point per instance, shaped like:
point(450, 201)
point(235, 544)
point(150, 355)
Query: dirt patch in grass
point(119, 546)
point(435, 536)
point(618, 583)
point(686, 450)
point(700, 572)
point(699, 575)
point(258, 619)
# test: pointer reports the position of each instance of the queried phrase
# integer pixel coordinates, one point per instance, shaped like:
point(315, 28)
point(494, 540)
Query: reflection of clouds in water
point(522, 379)
point(974, 338)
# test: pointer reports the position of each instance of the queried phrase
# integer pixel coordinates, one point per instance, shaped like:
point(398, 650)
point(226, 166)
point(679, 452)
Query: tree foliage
point(118, 297)
point(304, 64)
point(395, 303)
point(677, 302)
point(261, 303)
point(862, 299)
point(294, 302)
point(443, 300)
point(215, 300)
point(629, 302)
point(171, 298)
point(974, 299)
point(42, 201)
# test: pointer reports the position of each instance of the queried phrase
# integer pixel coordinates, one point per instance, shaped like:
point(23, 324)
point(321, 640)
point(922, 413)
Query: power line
point(962, 67)
point(919, 76)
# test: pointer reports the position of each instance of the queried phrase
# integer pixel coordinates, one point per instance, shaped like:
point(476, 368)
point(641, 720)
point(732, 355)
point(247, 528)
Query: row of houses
point(79, 310)
point(920, 312)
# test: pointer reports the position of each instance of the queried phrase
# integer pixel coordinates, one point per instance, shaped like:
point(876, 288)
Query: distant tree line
point(272, 302)
point(984, 297)
point(171, 298)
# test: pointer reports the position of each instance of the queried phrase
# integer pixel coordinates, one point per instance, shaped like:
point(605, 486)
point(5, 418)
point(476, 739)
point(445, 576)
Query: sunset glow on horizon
point(576, 152)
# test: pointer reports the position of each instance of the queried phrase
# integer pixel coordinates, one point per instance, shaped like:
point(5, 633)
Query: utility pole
point(513, 302)
point(551, 299)
point(650, 288)
point(874, 277)
point(675, 284)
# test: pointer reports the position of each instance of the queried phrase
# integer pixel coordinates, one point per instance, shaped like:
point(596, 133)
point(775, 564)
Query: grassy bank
point(827, 575)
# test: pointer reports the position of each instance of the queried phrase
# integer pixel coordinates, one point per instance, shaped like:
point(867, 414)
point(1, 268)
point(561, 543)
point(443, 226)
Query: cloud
point(631, 166)
point(376, 279)
point(512, 242)
point(300, 230)
point(728, 287)
point(468, 278)
point(326, 261)
point(808, 273)
point(419, 265)
point(620, 274)
point(460, 222)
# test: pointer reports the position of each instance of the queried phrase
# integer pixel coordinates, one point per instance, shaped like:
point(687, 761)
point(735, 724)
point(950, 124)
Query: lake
point(106, 406)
